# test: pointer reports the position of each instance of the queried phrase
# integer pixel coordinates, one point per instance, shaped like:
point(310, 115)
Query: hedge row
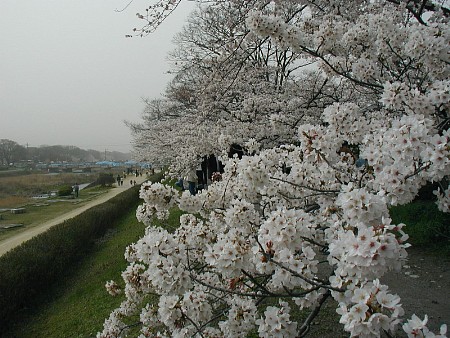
point(30, 269)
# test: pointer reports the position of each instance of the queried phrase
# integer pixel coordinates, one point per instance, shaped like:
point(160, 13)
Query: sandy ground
point(14, 241)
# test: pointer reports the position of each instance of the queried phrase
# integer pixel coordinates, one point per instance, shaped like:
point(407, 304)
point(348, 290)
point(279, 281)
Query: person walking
point(76, 189)
point(192, 180)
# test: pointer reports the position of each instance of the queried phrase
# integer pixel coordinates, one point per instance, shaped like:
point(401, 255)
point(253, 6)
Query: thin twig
point(121, 10)
point(307, 323)
point(310, 281)
point(305, 186)
point(256, 294)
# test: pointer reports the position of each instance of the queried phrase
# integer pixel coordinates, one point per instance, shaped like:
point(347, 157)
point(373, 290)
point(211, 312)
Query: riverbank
point(25, 235)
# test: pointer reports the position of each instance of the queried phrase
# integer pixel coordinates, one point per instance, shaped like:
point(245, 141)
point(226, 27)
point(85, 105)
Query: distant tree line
point(12, 152)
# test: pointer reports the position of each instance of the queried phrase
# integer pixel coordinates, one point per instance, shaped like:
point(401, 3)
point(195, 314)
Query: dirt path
point(424, 287)
point(24, 236)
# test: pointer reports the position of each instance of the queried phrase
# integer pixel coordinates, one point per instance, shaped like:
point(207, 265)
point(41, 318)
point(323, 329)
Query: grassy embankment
point(79, 305)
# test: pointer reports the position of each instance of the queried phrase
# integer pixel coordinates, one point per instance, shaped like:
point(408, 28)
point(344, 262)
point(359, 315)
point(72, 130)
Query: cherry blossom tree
point(246, 87)
point(298, 223)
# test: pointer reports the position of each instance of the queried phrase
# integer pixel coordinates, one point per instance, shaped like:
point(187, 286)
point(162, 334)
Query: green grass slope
point(78, 306)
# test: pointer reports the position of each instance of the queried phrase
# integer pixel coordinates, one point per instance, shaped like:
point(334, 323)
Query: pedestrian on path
point(76, 188)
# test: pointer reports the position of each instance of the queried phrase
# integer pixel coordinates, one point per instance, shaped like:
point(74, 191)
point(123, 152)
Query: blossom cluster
point(415, 327)
point(443, 201)
point(276, 322)
point(368, 309)
point(159, 198)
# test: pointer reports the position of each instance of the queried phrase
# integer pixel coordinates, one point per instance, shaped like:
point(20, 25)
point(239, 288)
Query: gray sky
point(69, 76)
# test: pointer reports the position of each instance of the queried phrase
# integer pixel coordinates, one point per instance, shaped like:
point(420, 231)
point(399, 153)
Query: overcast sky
point(69, 76)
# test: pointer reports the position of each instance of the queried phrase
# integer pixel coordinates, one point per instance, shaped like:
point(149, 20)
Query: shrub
point(65, 190)
point(426, 225)
point(105, 179)
point(426, 192)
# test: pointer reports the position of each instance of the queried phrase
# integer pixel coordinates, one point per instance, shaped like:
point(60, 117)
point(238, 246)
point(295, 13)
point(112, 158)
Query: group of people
point(208, 171)
point(119, 180)
point(199, 178)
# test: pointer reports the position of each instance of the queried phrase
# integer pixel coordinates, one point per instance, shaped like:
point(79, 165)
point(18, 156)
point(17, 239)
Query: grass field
point(6, 172)
point(32, 184)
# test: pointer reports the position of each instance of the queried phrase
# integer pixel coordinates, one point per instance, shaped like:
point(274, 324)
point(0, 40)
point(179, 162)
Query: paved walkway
point(24, 236)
